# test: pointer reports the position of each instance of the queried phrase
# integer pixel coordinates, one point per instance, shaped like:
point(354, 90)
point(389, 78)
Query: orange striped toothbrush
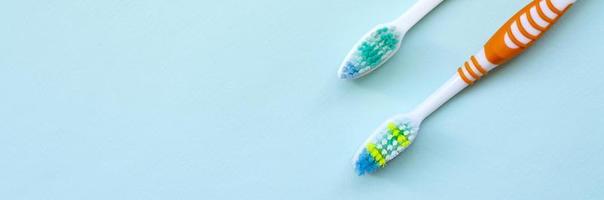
point(517, 34)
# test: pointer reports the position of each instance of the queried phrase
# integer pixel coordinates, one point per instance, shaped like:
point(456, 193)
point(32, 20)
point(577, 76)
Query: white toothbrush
point(519, 33)
point(382, 42)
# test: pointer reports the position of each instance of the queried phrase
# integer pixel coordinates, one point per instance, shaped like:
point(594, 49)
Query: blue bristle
point(365, 163)
point(350, 71)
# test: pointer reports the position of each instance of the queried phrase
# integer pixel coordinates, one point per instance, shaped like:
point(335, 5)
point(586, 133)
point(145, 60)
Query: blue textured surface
point(365, 163)
point(183, 99)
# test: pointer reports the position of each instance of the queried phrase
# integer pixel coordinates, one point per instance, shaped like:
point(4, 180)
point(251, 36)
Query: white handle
point(416, 13)
point(453, 86)
point(477, 65)
point(503, 46)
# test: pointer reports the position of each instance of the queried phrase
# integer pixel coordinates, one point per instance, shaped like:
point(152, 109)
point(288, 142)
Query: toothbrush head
point(389, 140)
point(373, 50)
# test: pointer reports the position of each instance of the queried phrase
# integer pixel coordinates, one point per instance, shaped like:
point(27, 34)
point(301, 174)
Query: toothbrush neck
point(453, 86)
point(416, 13)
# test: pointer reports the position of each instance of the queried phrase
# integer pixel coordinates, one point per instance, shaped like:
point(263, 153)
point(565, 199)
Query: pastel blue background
point(184, 99)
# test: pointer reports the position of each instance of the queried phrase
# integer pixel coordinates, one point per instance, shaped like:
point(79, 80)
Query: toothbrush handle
point(420, 9)
point(511, 39)
point(515, 36)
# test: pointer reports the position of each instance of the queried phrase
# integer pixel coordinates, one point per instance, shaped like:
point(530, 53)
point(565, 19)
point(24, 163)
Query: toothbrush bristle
point(384, 146)
point(365, 164)
point(377, 47)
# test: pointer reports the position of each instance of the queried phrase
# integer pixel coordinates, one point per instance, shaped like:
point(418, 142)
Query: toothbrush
point(517, 34)
point(382, 42)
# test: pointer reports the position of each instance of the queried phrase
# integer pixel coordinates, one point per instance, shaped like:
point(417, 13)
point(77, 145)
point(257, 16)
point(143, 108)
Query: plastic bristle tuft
point(373, 50)
point(385, 144)
point(365, 163)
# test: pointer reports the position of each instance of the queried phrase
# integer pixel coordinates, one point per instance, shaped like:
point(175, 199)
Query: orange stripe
point(469, 69)
point(463, 76)
point(513, 38)
point(542, 15)
point(552, 7)
point(533, 22)
point(523, 30)
point(477, 65)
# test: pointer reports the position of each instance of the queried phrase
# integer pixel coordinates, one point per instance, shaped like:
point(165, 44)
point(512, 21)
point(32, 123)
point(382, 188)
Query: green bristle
point(380, 43)
point(394, 139)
